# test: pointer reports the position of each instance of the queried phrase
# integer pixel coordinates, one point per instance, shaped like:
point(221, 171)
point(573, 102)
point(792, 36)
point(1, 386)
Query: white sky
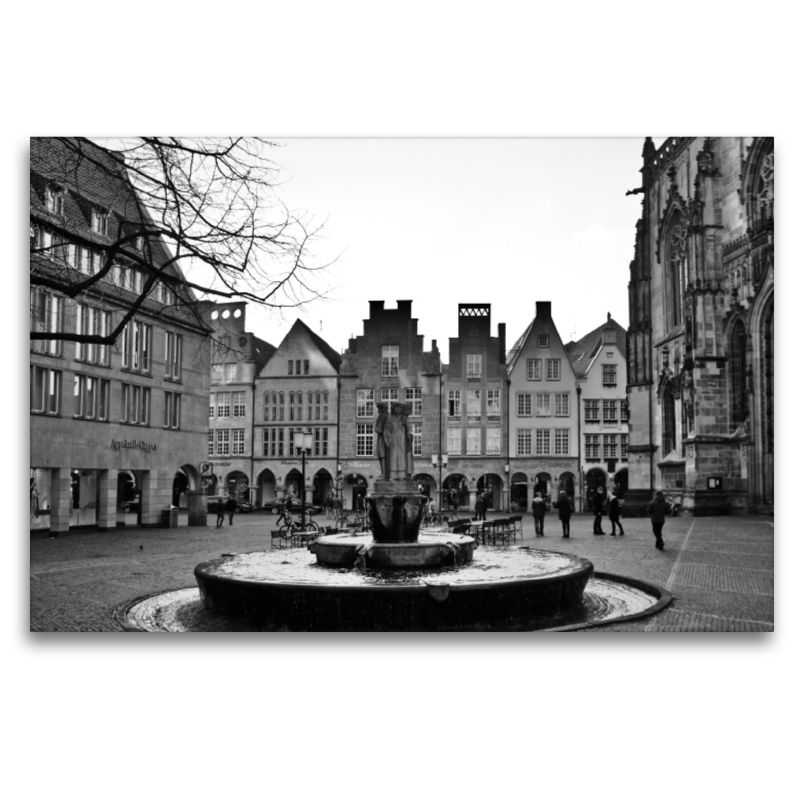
point(463, 220)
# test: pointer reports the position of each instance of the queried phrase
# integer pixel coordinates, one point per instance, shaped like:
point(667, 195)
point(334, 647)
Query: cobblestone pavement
point(719, 569)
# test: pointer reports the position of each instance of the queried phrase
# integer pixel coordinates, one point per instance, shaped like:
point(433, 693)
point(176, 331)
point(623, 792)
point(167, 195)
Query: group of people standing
point(657, 510)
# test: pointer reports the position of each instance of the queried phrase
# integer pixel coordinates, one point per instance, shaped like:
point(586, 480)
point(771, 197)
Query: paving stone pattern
point(719, 569)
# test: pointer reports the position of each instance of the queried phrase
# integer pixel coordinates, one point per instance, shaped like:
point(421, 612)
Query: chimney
point(375, 306)
point(501, 342)
point(543, 308)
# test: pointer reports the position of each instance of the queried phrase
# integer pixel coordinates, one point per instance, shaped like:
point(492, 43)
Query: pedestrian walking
point(329, 506)
point(657, 510)
point(539, 510)
point(564, 513)
point(480, 507)
point(230, 507)
point(597, 505)
point(220, 512)
point(613, 514)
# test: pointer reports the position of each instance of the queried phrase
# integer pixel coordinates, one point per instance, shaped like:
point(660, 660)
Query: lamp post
point(303, 442)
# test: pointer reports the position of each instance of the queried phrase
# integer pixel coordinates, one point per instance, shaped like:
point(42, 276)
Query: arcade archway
point(456, 490)
point(492, 485)
point(323, 487)
point(595, 478)
point(238, 484)
point(265, 487)
point(354, 490)
point(427, 484)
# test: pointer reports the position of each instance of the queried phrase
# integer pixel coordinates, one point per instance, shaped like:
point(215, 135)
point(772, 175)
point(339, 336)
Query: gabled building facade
point(236, 359)
point(296, 390)
point(387, 362)
point(111, 424)
point(701, 336)
point(542, 415)
point(475, 422)
point(600, 367)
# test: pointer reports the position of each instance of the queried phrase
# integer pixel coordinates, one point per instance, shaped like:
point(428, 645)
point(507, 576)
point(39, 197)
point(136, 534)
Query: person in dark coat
point(597, 505)
point(220, 513)
point(539, 507)
point(613, 514)
point(480, 507)
point(658, 510)
point(564, 513)
point(230, 507)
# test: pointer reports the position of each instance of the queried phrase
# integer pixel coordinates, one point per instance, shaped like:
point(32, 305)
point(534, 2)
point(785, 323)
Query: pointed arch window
point(675, 272)
point(667, 421)
point(738, 372)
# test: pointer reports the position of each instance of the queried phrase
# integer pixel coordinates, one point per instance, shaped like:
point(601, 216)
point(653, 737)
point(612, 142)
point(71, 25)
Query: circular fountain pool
point(509, 589)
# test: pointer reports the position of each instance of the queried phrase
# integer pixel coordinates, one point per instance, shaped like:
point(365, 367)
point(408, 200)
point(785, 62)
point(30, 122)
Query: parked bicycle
point(674, 504)
point(286, 522)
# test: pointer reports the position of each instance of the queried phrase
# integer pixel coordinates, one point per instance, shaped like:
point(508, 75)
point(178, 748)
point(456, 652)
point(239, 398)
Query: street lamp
point(303, 442)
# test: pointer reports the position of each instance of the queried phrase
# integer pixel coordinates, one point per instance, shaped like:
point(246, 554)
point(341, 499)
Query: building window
point(454, 402)
point(99, 222)
point(237, 446)
point(675, 284)
point(454, 441)
point(45, 391)
point(592, 409)
point(554, 369)
point(543, 404)
point(414, 396)
point(212, 401)
point(223, 442)
point(390, 360)
point(416, 433)
point(542, 441)
point(94, 322)
point(609, 412)
point(623, 411)
point(562, 404)
point(389, 394)
point(534, 369)
point(473, 441)
point(524, 442)
point(609, 446)
point(364, 439)
point(492, 402)
point(172, 410)
point(238, 404)
point(320, 441)
point(47, 314)
point(365, 403)
point(305, 366)
point(561, 442)
point(232, 373)
point(135, 404)
point(544, 340)
point(738, 370)
point(211, 443)
point(474, 365)
point(273, 442)
point(623, 447)
point(593, 446)
point(267, 397)
point(223, 405)
point(524, 408)
point(493, 441)
point(137, 340)
point(317, 405)
point(216, 373)
point(324, 405)
point(609, 374)
point(281, 406)
point(173, 351)
point(291, 366)
point(473, 402)
point(54, 200)
point(667, 421)
point(91, 398)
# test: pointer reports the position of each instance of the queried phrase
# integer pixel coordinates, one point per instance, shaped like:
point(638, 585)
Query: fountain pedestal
point(395, 511)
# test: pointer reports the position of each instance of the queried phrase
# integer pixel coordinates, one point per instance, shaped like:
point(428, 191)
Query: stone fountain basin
point(432, 549)
point(288, 589)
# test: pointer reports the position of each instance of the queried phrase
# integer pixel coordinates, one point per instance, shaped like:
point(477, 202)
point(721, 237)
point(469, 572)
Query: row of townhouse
point(543, 417)
point(116, 431)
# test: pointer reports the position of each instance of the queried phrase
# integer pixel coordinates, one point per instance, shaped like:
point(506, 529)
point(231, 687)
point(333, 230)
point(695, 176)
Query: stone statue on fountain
point(395, 441)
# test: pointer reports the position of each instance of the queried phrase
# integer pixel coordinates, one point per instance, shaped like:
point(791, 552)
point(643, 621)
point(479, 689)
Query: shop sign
point(120, 444)
point(290, 461)
point(543, 465)
point(357, 464)
point(221, 464)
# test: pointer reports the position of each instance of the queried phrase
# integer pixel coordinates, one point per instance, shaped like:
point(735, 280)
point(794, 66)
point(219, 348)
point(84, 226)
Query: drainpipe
point(507, 438)
point(580, 460)
point(441, 384)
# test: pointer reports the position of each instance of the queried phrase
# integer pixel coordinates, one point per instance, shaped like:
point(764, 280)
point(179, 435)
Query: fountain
point(393, 577)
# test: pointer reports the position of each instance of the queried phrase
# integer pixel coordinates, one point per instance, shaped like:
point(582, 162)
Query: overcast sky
point(449, 221)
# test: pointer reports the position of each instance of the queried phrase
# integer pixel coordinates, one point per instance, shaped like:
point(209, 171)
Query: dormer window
point(544, 340)
point(99, 222)
point(54, 200)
